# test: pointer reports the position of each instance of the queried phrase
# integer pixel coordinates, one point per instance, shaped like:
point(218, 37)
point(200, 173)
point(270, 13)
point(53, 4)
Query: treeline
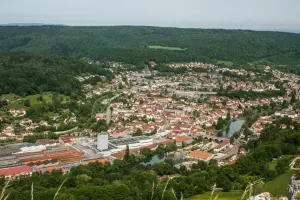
point(130, 44)
point(135, 181)
point(27, 73)
point(33, 138)
point(166, 69)
point(252, 94)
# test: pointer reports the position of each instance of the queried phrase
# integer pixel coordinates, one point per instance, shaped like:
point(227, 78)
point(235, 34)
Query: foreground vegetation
point(221, 196)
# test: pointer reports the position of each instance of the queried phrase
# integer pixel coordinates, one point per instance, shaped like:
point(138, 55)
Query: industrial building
point(132, 142)
point(65, 153)
point(102, 142)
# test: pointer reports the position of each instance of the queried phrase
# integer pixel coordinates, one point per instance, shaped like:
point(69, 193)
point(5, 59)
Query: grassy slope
point(47, 96)
point(222, 196)
point(278, 186)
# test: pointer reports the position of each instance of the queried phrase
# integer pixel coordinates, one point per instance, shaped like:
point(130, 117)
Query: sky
point(229, 14)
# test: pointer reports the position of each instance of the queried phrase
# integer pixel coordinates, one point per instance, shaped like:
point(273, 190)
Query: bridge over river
point(212, 137)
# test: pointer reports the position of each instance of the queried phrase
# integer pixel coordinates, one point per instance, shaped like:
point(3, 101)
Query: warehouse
point(132, 142)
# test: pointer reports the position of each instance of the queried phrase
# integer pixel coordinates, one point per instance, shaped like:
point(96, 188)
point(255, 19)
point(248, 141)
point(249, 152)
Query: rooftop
point(15, 170)
point(200, 154)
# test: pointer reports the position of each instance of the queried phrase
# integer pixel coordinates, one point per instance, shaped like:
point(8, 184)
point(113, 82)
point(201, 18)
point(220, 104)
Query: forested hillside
point(131, 44)
point(26, 74)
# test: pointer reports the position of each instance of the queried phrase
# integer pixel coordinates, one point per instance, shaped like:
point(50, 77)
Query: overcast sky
point(246, 14)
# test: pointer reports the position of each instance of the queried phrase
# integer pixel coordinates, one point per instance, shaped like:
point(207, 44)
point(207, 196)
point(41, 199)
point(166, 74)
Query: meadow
point(167, 48)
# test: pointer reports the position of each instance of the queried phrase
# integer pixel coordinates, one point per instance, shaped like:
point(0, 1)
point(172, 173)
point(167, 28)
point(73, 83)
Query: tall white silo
point(102, 142)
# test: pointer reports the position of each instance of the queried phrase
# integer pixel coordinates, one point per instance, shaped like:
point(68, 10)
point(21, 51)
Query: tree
point(282, 165)
point(83, 179)
point(171, 147)
point(146, 152)
point(127, 153)
point(169, 195)
point(27, 103)
point(65, 196)
point(224, 182)
point(138, 132)
point(293, 98)
point(228, 116)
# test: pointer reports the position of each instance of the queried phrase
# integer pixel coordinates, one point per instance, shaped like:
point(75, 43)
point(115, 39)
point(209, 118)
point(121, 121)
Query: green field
point(47, 97)
point(33, 99)
point(222, 196)
point(222, 62)
point(278, 186)
point(10, 97)
point(167, 48)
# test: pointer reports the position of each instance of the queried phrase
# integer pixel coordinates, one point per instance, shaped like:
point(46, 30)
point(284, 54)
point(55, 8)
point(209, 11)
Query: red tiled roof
point(167, 141)
point(222, 144)
point(15, 170)
point(51, 168)
point(181, 139)
point(232, 162)
point(119, 155)
point(103, 160)
point(200, 154)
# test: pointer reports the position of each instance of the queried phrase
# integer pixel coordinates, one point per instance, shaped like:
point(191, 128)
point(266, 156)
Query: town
point(205, 113)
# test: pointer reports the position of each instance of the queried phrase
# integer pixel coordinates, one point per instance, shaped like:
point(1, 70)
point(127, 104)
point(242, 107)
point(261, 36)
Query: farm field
point(167, 48)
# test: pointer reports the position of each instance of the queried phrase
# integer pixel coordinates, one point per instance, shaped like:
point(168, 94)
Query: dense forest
point(130, 44)
point(129, 179)
point(29, 73)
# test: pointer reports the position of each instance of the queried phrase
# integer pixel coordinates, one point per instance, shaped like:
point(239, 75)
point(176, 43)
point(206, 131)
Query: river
point(233, 127)
point(158, 159)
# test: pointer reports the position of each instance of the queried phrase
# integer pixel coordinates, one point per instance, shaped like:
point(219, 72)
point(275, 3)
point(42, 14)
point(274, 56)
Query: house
point(89, 95)
point(34, 125)
point(283, 126)
point(57, 125)
point(2, 137)
point(200, 155)
point(8, 132)
point(66, 140)
point(100, 116)
point(22, 111)
point(222, 145)
point(180, 139)
point(16, 171)
point(26, 121)
point(12, 111)
point(43, 123)
point(26, 133)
